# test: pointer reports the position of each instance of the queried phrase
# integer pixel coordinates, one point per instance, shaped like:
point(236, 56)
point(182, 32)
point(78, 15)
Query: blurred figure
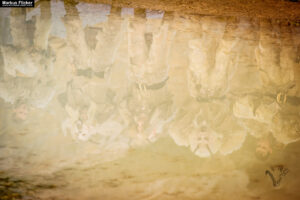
point(263, 149)
point(275, 58)
point(207, 129)
point(149, 42)
point(207, 77)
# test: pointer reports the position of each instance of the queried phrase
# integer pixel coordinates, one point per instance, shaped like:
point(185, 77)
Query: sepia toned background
point(139, 100)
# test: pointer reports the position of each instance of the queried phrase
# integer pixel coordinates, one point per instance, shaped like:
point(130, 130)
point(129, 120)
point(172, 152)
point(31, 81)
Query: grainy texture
point(276, 9)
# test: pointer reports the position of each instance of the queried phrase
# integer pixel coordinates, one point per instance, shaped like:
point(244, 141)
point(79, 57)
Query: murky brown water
point(102, 102)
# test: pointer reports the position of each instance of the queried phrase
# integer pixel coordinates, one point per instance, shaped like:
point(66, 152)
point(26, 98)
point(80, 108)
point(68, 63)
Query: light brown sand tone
point(275, 9)
point(104, 102)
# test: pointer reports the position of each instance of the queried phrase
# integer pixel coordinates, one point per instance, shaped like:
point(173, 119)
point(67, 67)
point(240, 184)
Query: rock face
point(129, 78)
point(273, 9)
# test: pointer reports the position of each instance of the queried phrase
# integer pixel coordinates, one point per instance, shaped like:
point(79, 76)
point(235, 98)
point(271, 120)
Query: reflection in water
point(102, 102)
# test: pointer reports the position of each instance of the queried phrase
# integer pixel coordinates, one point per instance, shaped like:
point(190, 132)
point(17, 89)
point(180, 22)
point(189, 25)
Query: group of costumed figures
point(136, 75)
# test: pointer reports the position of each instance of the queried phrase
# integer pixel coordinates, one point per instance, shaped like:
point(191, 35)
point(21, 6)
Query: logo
point(276, 174)
point(16, 3)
